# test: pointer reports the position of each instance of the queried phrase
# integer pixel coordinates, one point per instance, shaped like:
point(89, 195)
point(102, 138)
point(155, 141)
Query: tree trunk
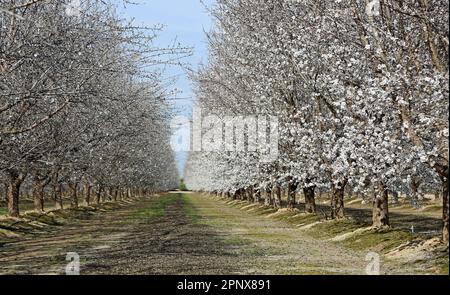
point(57, 195)
point(380, 212)
point(104, 194)
point(39, 184)
point(310, 203)
point(337, 200)
point(15, 181)
point(238, 194)
point(73, 185)
point(111, 194)
point(98, 194)
point(115, 193)
point(278, 197)
point(395, 196)
point(445, 210)
point(292, 187)
point(108, 194)
point(56, 188)
point(87, 193)
point(38, 193)
point(5, 186)
point(268, 200)
point(249, 193)
point(257, 195)
point(443, 174)
point(437, 195)
point(415, 183)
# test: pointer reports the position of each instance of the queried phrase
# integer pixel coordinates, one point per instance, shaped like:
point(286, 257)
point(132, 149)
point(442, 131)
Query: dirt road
point(179, 234)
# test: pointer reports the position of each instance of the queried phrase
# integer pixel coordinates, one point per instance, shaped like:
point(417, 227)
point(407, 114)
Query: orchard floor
point(182, 233)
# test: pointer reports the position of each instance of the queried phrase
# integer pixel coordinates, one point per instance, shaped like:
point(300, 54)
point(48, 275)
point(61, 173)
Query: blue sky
point(184, 21)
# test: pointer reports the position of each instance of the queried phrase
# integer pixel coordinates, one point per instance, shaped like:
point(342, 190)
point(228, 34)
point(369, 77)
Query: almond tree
point(361, 97)
point(81, 96)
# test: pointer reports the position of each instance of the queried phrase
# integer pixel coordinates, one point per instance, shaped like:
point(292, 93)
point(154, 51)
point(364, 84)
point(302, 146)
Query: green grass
point(235, 241)
point(330, 229)
point(297, 218)
point(42, 218)
point(189, 208)
point(379, 240)
point(157, 208)
point(3, 211)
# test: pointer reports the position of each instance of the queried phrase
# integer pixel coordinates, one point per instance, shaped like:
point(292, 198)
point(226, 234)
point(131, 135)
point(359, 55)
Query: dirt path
point(179, 234)
point(266, 246)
